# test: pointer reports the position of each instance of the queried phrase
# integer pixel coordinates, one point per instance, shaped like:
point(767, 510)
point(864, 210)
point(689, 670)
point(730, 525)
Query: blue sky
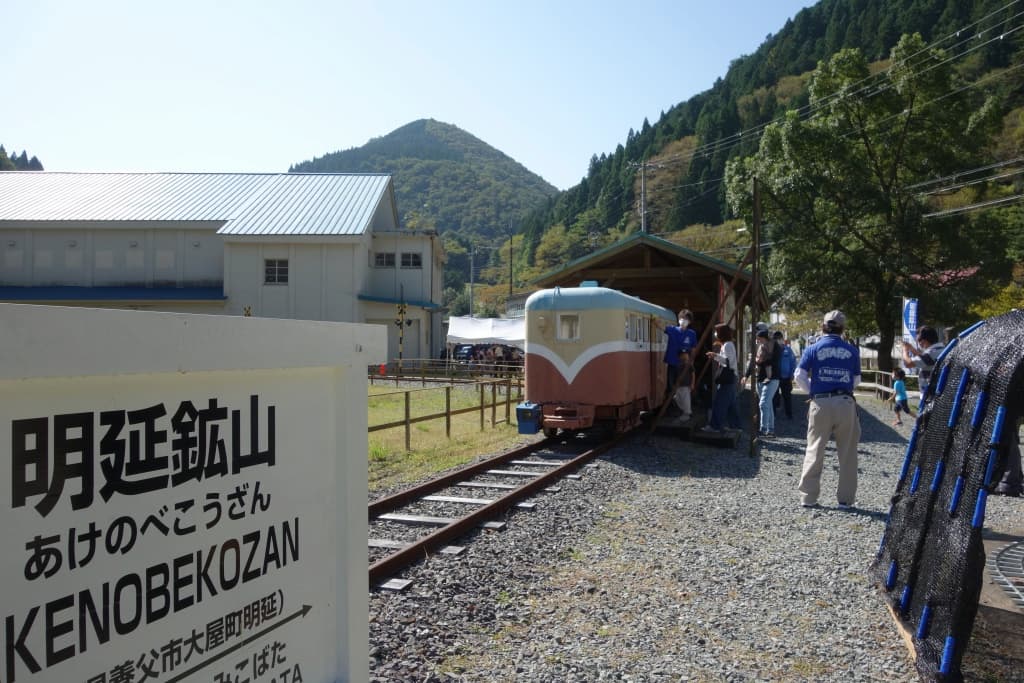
point(203, 85)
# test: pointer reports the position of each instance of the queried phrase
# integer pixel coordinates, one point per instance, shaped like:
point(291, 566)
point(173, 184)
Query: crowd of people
point(486, 359)
point(827, 370)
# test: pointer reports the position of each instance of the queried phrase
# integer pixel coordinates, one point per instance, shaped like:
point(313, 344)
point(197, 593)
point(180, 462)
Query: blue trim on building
point(59, 293)
point(427, 305)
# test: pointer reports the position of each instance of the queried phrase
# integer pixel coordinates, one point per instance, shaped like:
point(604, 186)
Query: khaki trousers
point(832, 415)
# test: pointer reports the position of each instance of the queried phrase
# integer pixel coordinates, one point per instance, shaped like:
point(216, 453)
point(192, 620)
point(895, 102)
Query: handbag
point(727, 376)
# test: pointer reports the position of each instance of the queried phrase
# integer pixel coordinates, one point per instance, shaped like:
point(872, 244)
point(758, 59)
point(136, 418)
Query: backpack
point(787, 365)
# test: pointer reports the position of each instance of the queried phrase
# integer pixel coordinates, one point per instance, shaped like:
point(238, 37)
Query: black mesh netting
point(931, 558)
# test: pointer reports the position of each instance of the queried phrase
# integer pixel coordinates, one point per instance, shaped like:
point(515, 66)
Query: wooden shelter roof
point(655, 270)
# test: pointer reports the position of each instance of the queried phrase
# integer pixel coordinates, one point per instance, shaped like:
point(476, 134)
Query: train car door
point(656, 382)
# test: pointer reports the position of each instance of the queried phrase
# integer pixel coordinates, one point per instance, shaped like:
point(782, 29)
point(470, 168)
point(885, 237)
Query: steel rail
point(397, 500)
point(390, 565)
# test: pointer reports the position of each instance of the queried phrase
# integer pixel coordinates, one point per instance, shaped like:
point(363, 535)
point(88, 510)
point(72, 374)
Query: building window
point(568, 326)
point(412, 259)
point(275, 271)
point(384, 260)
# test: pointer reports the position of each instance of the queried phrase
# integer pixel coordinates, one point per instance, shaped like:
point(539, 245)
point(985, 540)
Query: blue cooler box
point(528, 416)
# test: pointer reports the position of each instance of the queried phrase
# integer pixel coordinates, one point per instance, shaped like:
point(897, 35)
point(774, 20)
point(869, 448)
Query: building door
point(410, 338)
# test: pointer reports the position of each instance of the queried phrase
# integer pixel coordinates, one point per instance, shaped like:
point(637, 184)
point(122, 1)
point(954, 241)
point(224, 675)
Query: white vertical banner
point(909, 320)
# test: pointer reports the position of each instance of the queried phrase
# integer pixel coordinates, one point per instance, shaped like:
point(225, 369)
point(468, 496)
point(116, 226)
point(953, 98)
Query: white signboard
point(166, 520)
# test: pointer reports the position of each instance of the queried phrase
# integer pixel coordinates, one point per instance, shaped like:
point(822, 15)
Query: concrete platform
point(996, 649)
point(998, 634)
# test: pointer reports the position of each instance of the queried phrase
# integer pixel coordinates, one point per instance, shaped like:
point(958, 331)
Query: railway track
point(455, 504)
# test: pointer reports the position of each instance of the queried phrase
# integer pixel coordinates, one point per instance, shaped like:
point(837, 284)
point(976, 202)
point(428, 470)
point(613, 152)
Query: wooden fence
point(431, 371)
point(496, 387)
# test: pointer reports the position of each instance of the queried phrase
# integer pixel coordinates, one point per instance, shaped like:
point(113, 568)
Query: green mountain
point(684, 153)
point(445, 178)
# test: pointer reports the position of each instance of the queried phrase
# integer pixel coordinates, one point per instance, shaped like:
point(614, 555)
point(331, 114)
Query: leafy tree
point(457, 300)
point(848, 226)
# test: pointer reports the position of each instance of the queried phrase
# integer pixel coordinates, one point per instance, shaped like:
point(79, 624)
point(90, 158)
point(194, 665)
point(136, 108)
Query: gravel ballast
point(671, 561)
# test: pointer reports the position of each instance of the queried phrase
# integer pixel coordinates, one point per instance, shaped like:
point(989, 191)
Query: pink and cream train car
point(593, 358)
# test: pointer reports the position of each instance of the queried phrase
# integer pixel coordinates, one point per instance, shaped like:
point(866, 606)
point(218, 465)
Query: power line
point(975, 207)
point(810, 110)
point(951, 188)
point(958, 174)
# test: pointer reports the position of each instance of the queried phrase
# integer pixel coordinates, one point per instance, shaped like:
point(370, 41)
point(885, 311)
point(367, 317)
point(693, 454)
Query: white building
point(283, 245)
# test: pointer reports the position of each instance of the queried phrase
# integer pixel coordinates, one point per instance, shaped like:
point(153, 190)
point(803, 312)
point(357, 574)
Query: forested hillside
point(684, 153)
point(888, 137)
point(444, 178)
point(18, 162)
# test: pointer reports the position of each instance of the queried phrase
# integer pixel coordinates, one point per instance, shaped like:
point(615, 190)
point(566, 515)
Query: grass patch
point(431, 450)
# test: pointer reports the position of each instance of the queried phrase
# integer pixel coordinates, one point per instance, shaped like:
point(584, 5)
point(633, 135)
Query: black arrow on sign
point(295, 615)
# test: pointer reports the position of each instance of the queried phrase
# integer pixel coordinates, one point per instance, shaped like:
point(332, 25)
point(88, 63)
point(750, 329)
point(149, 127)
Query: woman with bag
point(723, 407)
point(768, 360)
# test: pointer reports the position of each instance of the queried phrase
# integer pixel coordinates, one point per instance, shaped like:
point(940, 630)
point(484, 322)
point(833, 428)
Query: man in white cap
point(828, 370)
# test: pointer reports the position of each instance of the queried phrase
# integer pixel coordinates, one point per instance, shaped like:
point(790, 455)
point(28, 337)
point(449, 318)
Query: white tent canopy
point(466, 330)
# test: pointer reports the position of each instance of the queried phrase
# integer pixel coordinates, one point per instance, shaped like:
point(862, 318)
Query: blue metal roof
point(245, 203)
point(66, 293)
point(428, 305)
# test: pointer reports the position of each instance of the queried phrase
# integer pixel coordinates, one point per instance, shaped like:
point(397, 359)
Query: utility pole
point(643, 197)
point(755, 309)
point(510, 236)
point(472, 251)
point(643, 166)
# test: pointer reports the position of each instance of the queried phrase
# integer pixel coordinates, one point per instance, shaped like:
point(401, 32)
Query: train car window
point(568, 326)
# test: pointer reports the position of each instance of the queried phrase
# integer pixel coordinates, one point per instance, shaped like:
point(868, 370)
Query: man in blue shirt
point(679, 345)
point(829, 370)
point(787, 366)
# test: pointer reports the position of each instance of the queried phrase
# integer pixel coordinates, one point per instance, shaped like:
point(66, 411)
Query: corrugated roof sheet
point(247, 203)
point(71, 293)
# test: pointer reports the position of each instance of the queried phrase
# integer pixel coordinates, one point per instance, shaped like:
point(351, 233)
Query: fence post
point(448, 412)
point(508, 401)
point(481, 385)
point(408, 443)
point(494, 403)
